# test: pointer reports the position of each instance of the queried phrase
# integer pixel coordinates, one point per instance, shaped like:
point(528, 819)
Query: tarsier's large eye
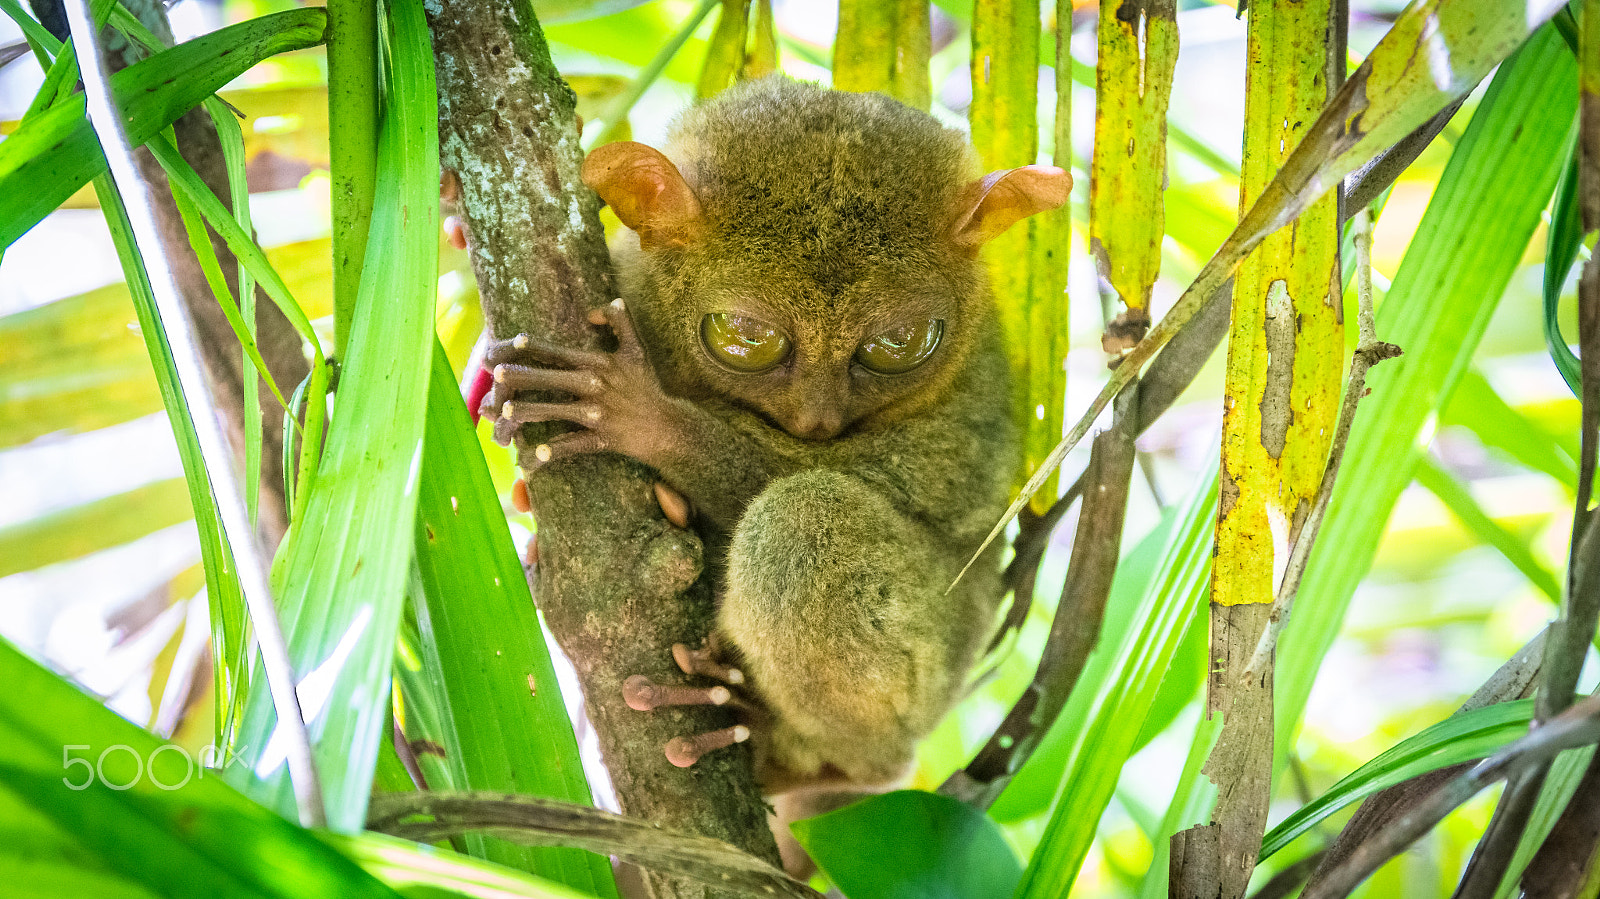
point(901, 349)
point(743, 343)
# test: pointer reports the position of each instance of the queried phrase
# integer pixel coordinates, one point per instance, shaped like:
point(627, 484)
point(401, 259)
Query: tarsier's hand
point(616, 397)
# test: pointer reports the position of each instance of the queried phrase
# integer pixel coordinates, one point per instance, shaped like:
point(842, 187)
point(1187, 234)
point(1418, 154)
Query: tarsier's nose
point(817, 423)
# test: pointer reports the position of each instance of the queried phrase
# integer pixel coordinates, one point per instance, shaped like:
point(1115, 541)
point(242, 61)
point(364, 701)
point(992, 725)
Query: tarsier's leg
point(836, 603)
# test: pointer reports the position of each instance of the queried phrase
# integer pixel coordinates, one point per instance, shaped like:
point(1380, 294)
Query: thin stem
point(108, 126)
point(1369, 352)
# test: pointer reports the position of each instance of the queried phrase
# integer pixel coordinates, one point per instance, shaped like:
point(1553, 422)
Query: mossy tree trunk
point(618, 583)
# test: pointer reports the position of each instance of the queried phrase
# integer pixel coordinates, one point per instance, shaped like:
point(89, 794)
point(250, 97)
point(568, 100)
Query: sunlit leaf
point(341, 580)
point(726, 49)
point(1462, 737)
point(883, 47)
point(144, 808)
point(1477, 406)
point(1460, 502)
point(1027, 264)
point(1034, 788)
point(1120, 700)
point(90, 527)
point(1437, 308)
point(1561, 251)
point(1138, 48)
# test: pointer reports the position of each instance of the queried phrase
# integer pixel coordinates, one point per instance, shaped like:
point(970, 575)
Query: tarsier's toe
point(685, 751)
point(524, 349)
point(703, 661)
point(561, 446)
point(456, 232)
point(504, 431)
point(673, 505)
point(642, 694)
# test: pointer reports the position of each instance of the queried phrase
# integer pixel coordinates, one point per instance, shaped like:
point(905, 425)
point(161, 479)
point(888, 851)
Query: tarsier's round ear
point(646, 191)
point(1000, 199)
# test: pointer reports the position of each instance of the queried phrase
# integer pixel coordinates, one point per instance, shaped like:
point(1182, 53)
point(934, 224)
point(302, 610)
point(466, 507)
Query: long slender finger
point(701, 661)
point(562, 446)
point(685, 751)
point(642, 694)
point(510, 376)
point(616, 313)
point(522, 348)
point(493, 401)
point(524, 412)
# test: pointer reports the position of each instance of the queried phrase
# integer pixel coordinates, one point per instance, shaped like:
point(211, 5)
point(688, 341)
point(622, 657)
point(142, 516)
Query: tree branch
point(1076, 627)
point(547, 822)
point(1514, 680)
point(618, 584)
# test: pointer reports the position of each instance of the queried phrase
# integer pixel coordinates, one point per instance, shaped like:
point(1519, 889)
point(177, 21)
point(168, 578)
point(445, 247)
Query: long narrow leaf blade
point(1448, 285)
point(89, 527)
point(342, 579)
point(55, 153)
point(1468, 735)
point(508, 728)
point(1122, 700)
point(223, 590)
point(144, 808)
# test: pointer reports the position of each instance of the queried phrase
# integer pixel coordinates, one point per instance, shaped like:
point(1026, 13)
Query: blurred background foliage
point(100, 567)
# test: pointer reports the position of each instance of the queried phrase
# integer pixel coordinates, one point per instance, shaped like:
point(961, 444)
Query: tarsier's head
point(809, 254)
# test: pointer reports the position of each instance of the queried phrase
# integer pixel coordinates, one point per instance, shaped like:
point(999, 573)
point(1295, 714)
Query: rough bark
point(618, 584)
point(1217, 859)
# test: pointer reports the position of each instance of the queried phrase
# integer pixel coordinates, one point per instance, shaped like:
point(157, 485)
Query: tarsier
point(808, 351)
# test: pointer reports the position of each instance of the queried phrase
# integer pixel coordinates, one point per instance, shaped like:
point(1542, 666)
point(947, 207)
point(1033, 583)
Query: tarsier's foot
point(643, 694)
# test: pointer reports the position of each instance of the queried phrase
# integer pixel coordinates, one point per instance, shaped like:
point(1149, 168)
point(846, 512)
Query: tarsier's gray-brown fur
point(837, 504)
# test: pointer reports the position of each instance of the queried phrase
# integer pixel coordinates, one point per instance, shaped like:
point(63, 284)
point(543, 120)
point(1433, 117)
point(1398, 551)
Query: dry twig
point(429, 817)
point(1577, 726)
